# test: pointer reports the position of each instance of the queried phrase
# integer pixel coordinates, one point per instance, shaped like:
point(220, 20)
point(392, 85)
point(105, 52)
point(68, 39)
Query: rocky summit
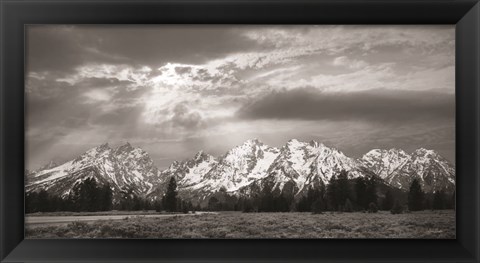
point(297, 165)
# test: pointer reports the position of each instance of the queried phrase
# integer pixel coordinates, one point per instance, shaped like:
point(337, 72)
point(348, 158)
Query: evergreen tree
point(397, 208)
point(157, 205)
point(129, 200)
point(267, 199)
point(239, 204)
point(332, 203)
point(229, 202)
point(247, 205)
point(361, 192)
point(428, 201)
point(439, 200)
point(387, 203)
point(322, 196)
point(90, 190)
point(214, 204)
point(371, 191)
point(137, 203)
point(106, 198)
point(85, 196)
point(31, 202)
point(372, 208)
point(317, 206)
point(453, 201)
point(171, 196)
point(313, 194)
point(280, 203)
point(302, 205)
point(343, 189)
point(415, 196)
point(43, 201)
point(55, 203)
point(348, 206)
point(147, 204)
point(188, 206)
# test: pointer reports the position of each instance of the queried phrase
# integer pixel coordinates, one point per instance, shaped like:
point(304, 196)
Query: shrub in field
point(79, 227)
point(397, 208)
point(106, 230)
point(372, 208)
point(428, 224)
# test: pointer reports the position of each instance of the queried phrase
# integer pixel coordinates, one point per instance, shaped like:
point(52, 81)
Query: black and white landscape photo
point(240, 131)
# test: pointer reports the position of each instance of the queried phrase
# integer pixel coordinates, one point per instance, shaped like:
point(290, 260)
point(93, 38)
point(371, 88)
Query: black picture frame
point(15, 14)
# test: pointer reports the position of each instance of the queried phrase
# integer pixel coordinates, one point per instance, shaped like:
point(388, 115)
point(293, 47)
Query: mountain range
point(292, 168)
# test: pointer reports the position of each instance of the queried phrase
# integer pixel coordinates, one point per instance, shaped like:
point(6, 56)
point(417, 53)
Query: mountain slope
point(398, 168)
point(122, 167)
point(302, 164)
point(239, 167)
point(243, 170)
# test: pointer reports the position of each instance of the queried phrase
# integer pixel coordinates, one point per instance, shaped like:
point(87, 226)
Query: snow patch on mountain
point(399, 168)
point(243, 169)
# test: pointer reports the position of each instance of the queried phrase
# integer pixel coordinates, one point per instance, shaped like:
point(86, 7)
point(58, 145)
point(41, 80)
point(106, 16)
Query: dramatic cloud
point(183, 116)
point(177, 89)
point(67, 47)
point(372, 105)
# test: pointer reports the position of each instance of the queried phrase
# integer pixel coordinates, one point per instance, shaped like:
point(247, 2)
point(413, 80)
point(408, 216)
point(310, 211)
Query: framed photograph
point(240, 131)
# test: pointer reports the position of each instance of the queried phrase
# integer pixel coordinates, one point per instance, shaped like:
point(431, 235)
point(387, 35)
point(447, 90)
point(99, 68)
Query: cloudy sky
point(177, 89)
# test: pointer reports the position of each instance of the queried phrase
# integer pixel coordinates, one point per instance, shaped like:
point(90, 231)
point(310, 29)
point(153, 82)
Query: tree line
point(87, 196)
point(90, 196)
point(341, 194)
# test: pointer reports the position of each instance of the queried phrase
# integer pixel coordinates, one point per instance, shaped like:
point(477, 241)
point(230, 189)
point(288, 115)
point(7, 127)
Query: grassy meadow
point(424, 224)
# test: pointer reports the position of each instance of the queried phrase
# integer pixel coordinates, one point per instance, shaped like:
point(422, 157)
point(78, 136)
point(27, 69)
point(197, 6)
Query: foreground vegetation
point(100, 213)
point(422, 224)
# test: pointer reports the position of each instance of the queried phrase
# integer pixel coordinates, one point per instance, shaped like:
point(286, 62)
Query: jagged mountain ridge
point(304, 164)
point(121, 168)
point(397, 168)
point(296, 165)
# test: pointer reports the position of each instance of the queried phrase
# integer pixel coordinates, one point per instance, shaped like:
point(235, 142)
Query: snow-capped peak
point(399, 168)
point(47, 166)
point(295, 142)
point(127, 147)
point(298, 164)
point(104, 146)
point(373, 152)
point(201, 156)
point(96, 151)
point(316, 144)
point(173, 165)
point(253, 141)
point(425, 152)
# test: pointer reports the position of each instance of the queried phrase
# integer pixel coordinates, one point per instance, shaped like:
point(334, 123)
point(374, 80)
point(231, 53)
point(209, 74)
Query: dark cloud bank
point(62, 48)
point(372, 105)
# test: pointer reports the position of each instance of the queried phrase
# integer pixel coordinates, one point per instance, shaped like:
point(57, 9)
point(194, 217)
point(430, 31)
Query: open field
point(54, 220)
point(425, 224)
point(99, 213)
